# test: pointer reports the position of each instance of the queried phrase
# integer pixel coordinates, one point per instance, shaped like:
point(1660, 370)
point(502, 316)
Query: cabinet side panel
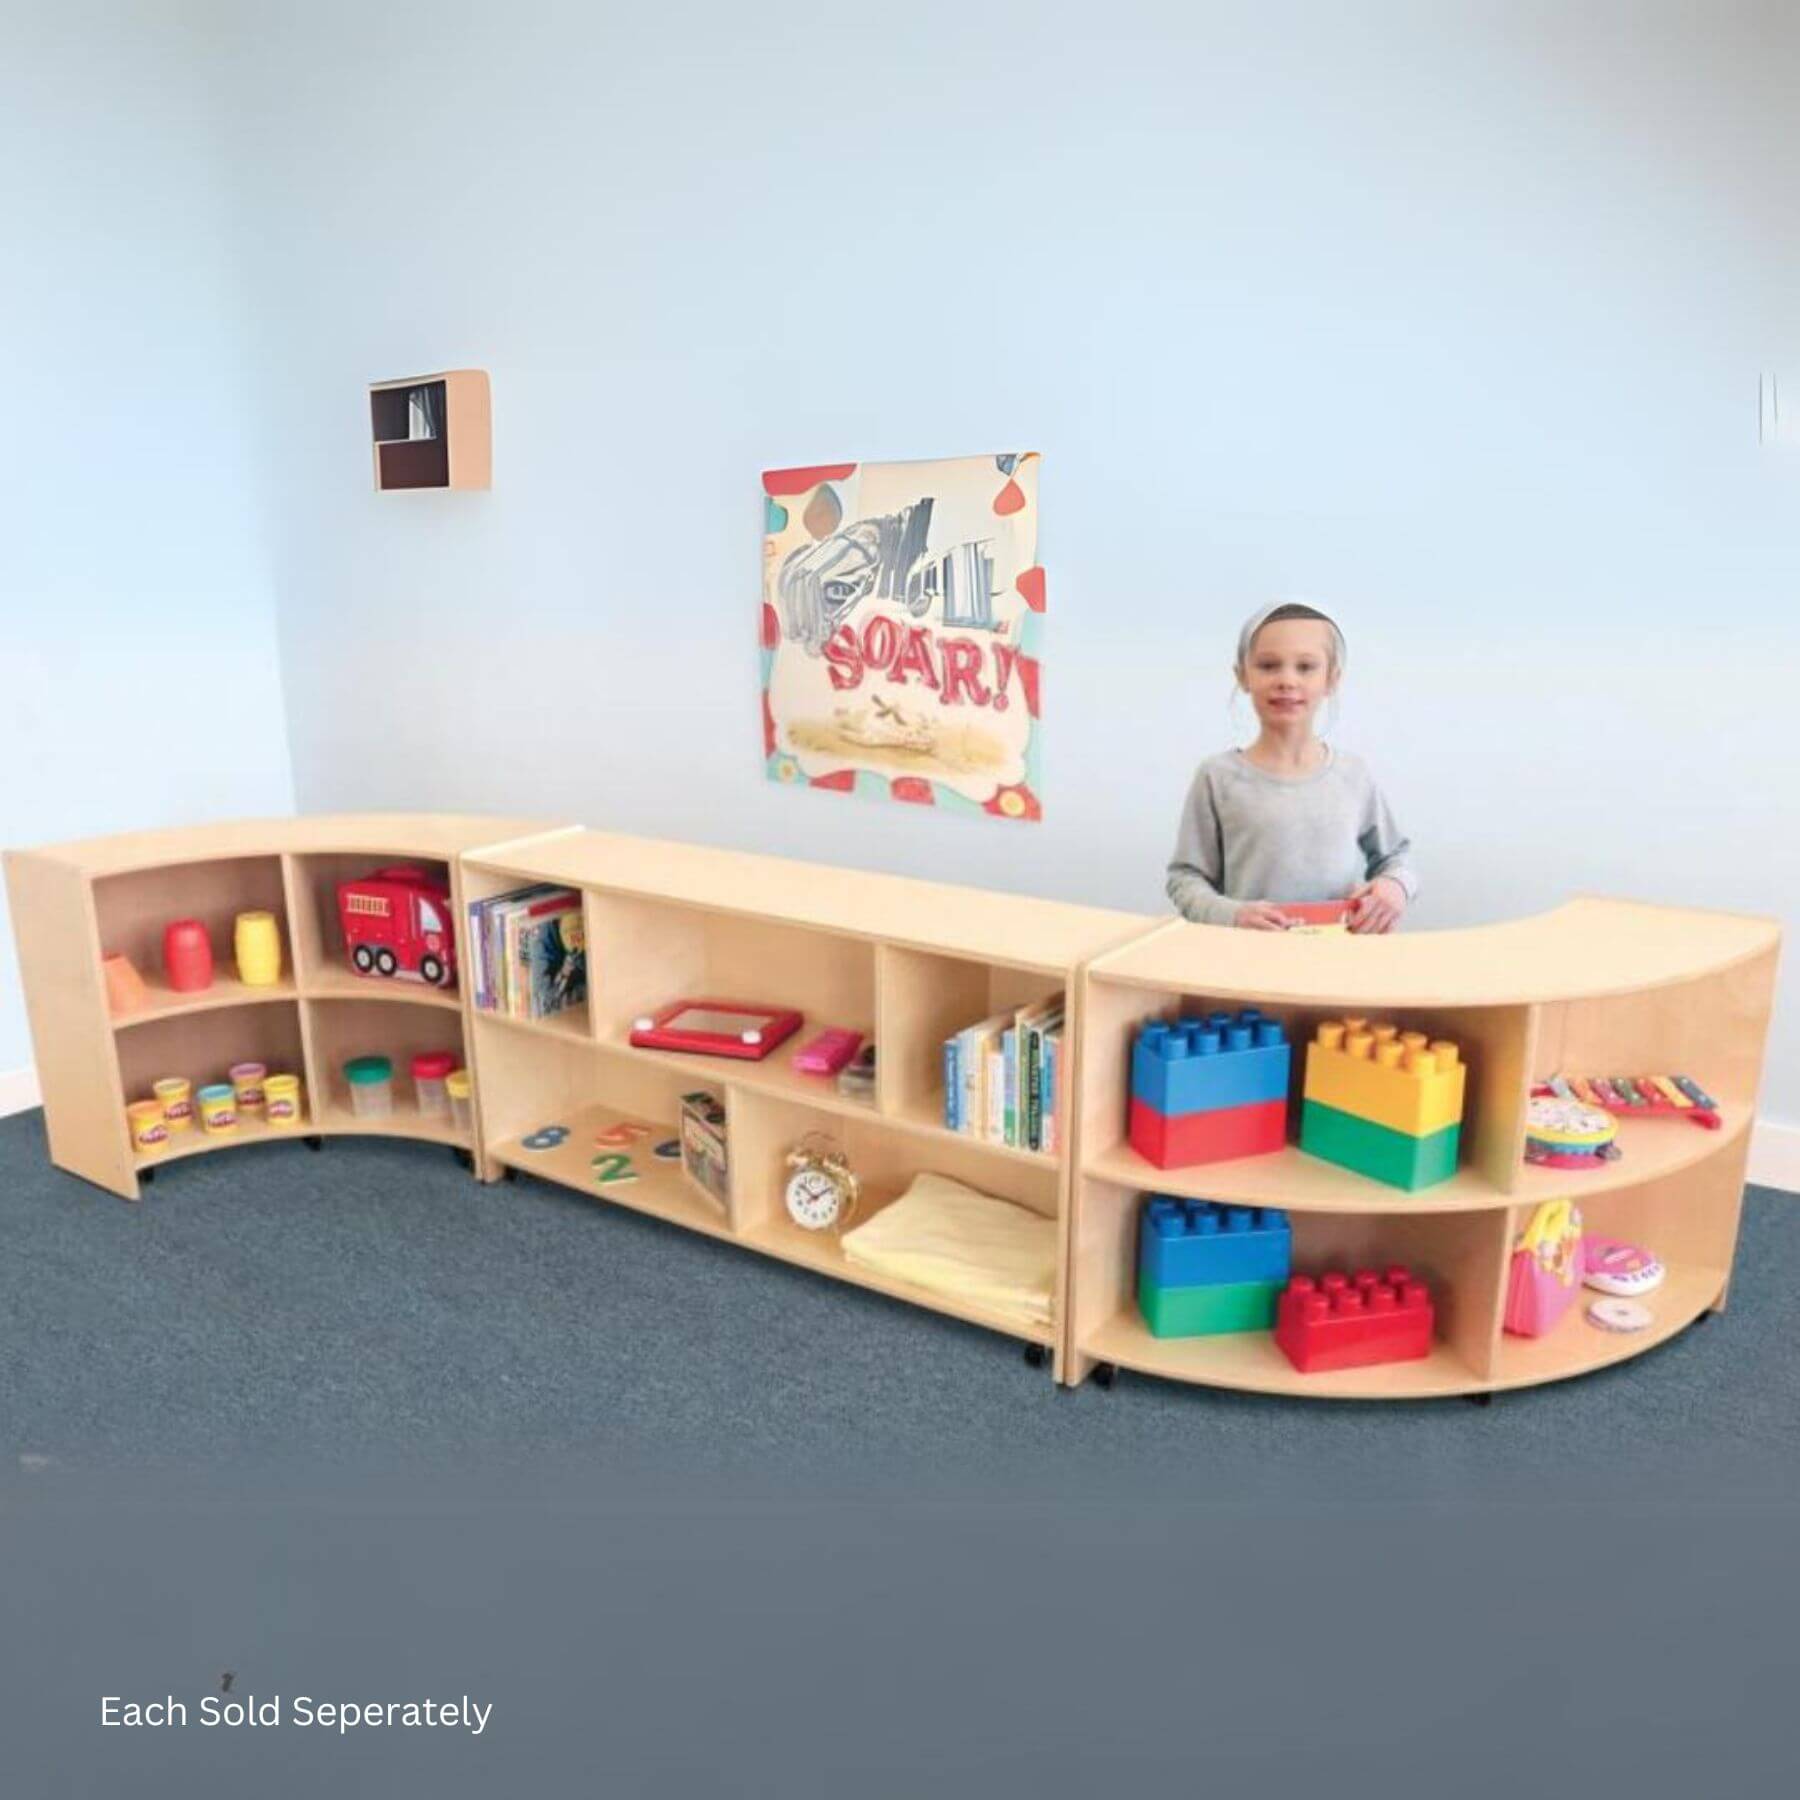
point(71, 1030)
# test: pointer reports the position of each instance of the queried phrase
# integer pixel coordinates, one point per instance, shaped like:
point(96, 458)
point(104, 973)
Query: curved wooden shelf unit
point(1588, 948)
point(72, 901)
point(1593, 987)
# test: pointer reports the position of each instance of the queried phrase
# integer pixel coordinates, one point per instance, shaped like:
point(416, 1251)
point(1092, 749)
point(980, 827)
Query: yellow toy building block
point(1398, 1079)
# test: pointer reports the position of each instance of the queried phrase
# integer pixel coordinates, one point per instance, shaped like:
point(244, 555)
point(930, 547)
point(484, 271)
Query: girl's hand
point(1377, 905)
point(1261, 915)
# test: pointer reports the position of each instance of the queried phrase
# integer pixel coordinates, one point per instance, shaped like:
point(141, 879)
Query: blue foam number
point(669, 1149)
point(546, 1137)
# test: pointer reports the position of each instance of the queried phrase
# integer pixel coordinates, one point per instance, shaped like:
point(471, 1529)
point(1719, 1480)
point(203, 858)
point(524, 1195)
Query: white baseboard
point(1775, 1155)
point(19, 1091)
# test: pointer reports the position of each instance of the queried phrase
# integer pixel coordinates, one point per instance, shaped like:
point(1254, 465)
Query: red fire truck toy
point(397, 922)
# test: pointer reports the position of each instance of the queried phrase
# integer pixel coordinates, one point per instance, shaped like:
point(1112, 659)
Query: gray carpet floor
point(374, 1302)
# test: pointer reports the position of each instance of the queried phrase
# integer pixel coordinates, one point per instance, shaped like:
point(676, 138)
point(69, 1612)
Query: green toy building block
point(1208, 1310)
point(1378, 1151)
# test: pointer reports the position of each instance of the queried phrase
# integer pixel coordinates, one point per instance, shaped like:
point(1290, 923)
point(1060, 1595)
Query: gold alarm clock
point(821, 1190)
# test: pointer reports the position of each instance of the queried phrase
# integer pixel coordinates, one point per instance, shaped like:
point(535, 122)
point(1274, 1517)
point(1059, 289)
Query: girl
point(1290, 818)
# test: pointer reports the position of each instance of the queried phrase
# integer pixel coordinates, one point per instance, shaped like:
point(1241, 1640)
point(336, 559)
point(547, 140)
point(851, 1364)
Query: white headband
point(1258, 620)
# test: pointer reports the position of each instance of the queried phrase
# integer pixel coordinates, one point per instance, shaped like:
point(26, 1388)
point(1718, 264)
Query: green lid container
point(363, 1071)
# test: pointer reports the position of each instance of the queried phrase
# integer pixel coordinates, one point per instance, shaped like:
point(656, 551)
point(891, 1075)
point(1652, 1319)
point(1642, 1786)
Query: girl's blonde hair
point(1289, 609)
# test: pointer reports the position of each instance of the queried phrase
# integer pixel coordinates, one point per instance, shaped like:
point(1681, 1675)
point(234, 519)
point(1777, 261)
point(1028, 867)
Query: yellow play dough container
point(149, 1129)
point(175, 1095)
point(218, 1110)
point(281, 1096)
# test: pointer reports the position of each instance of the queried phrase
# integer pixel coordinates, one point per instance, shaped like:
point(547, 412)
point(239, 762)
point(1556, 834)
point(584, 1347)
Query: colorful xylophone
point(1638, 1096)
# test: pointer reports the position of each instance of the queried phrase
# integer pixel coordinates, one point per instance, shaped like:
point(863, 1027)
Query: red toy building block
point(1174, 1141)
point(1339, 1321)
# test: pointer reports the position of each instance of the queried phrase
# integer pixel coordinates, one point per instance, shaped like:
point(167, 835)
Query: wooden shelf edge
point(402, 993)
point(1123, 1167)
point(221, 996)
point(574, 1032)
point(821, 1253)
point(1252, 1362)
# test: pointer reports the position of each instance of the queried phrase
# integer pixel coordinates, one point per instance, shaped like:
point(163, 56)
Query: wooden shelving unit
point(908, 963)
point(1596, 986)
point(72, 901)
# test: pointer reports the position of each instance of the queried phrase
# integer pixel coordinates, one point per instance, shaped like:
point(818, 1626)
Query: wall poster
point(902, 613)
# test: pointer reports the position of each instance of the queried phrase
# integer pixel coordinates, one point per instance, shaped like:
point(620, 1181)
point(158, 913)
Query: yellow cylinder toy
point(281, 1096)
point(258, 942)
point(175, 1095)
point(149, 1129)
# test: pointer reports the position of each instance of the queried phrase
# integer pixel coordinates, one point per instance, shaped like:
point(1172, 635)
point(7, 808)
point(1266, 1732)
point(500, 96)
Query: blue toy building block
point(1194, 1243)
point(1204, 1065)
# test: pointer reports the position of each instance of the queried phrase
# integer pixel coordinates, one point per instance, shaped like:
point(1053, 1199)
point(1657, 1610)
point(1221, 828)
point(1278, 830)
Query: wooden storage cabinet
point(906, 963)
point(1598, 986)
point(71, 902)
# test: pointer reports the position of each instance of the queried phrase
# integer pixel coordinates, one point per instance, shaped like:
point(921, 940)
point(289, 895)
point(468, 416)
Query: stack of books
point(1004, 1080)
point(529, 952)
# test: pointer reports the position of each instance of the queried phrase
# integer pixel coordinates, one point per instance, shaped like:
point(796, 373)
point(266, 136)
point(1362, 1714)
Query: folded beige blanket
point(956, 1240)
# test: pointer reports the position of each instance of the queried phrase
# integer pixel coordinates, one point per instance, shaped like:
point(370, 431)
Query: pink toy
point(1614, 1267)
point(1546, 1270)
point(828, 1052)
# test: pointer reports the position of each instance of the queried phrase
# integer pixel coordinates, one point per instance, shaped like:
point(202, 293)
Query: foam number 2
point(618, 1137)
point(609, 1171)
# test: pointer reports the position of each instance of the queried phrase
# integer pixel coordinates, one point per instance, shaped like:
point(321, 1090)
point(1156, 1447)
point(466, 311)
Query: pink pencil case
point(828, 1052)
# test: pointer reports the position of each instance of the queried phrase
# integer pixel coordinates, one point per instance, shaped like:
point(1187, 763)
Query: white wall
point(138, 675)
point(1449, 316)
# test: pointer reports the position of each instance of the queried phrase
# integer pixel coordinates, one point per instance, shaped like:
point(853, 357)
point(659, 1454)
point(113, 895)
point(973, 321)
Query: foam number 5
point(610, 1171)
point(620, 1136)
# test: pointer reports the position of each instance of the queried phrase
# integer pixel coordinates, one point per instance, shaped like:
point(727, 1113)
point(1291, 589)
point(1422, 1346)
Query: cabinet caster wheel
point(465, 1159)
point(314, 1143)
point(145, 1177)
point(1105, 1374)
point(1479, 1399)
point(1036, 1356)
point(511, 1174)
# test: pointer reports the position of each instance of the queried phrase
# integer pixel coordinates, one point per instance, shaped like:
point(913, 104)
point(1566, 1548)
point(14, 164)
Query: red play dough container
point(187, 955)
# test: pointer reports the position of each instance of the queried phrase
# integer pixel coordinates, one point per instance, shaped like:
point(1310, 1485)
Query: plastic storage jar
point(371, 1083)
point(430, 1071)
point(218, 1109)
point(247, 1080)
point(461, 1089)
point(149, 1129)
point(175, 1094)
point(282, 1094)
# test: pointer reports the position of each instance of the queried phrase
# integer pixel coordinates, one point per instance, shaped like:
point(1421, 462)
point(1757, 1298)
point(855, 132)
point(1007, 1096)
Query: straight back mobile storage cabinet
point(905, 963)
point(74, 903)
point(1596, 987)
